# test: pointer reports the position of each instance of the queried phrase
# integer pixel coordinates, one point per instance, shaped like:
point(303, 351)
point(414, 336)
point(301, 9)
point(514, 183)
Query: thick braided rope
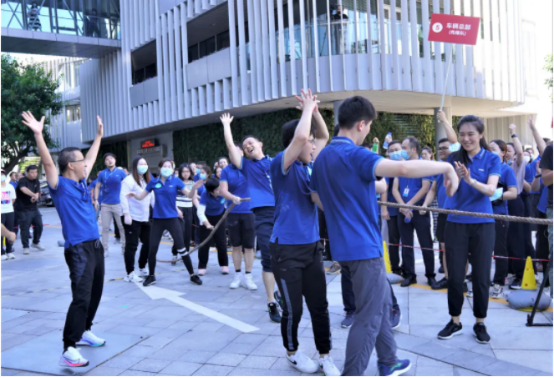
point(509, 218)
point(209, 236)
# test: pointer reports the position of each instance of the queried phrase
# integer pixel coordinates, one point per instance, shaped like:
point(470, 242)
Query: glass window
point(223, 40)
point(207, 47)
point(193, 53)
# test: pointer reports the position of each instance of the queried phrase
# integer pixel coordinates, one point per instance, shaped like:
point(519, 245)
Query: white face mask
point(527, 159)
point(3, 178)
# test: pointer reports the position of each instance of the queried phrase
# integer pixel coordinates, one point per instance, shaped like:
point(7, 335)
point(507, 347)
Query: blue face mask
point(497, 153)
point(197, 171)
point(166, 172)
point(396, 155)
point(142, 169)
point(203, 176)
point(405, 155)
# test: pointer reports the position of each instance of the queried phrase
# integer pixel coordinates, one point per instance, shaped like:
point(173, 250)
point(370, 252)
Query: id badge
point(406, 192)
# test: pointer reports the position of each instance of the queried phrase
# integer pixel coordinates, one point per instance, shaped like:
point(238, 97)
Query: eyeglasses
point(76, 161)
point(443, 148)
point(312, 141)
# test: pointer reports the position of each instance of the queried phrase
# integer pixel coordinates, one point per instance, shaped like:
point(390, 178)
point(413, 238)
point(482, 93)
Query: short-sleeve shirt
point(256, 173)
point(408, 187)
point(296, 219)
point(546, 163)
point(237, 186)
point(467, 198)
point(8, 196)
point(214, 205)
point(14, 184)
point(441, 191)
point(74, 207)
point(182, 200)
point(531, 171)
point(508, 180)
point(393, 211)
point(543, 200)
point(23, 200)
point(111, 185)
point(166, 196)
point(344, 178)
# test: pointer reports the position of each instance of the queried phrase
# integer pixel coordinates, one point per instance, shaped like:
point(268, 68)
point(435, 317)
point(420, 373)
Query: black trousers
point(422, 226)
point(501, 249)
point(324, 234)
point(133, 233)
point(26, 220)
point(476, 243)
point(299, 272)
point(8, 220)
point(527, 236)
point(156, 232)
point(195, 226)
point(543, 249)
point(220, 243)
point(516, 238)
point(86, 272)
point(186, 226)
point(264, 219)
point(394, 238)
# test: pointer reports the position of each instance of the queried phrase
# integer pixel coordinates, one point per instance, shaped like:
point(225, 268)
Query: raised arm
point(541, 145)
point(450, 133)
point(93, 150)
point(518, 148)
point(321, 133)
point(234, 155)
point(46, 159)
point(195, 187)
point(301, 136)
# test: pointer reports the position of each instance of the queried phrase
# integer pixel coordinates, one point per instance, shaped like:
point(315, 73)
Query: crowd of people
point(285, 206)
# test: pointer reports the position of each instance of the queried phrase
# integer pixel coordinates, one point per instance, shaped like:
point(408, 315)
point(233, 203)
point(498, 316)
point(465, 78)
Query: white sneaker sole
point(396, 373)
point(66, 363)
point(457, 333)
point(345, 326)
point(399, 323)
point(303, 371)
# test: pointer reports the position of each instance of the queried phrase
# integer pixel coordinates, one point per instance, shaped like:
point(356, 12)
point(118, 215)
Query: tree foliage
point(548, 67)
point(25, 88)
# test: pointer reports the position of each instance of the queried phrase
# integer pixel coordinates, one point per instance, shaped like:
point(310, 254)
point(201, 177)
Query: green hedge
point(207, 143)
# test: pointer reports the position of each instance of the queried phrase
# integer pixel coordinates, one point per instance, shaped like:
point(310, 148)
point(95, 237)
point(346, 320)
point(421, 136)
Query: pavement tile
point(9, 372)
point(131, 373)
point(458, 371)
point(500, 368)
point(434, 371)
point(534, 359)
point(211, 370)
point(156, 341)
point(468, 360)
point(139, 351)
point(258, 362)
point(250, 372)
point(226, 359)
point(197, 356)
point(181, 368)
point(123, 362)
point(152, 365)
point(105, 371)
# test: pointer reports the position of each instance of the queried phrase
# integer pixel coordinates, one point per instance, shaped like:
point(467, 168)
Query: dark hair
point(336, 130)
point(135, 171)
point(223, 157)
point(503, 147)
point(428, 149)
point(183, 166)
point(211, 184)
point(163, 161)
point(461, 154)
point(288, 130)
point(396, 141)
point(215, 172)
point(237, 144)
point(510, 144)
point(109, 154)
point(65, 157)
point(546, 140)
point(414, 143)
point(249, 136)
point(30, 168)
point(13, 173)
point(205, 167)
point(355, 109)
point(442, 140)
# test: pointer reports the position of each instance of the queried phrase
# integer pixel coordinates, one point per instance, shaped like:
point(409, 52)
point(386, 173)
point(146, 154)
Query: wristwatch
point(514, 135)
point(538, 175)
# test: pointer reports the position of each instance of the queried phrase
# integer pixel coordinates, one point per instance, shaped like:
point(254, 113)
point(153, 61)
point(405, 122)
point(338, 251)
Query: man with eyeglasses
point(84, 254)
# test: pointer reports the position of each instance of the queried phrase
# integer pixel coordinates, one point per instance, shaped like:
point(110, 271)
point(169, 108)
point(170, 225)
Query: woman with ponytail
point(471, 237)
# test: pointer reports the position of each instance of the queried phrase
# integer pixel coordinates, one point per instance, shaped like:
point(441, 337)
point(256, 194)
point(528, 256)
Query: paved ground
point(173, 336)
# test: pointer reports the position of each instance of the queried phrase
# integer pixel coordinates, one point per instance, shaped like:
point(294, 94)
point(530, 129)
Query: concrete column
point(336, 106)
point(439, 127)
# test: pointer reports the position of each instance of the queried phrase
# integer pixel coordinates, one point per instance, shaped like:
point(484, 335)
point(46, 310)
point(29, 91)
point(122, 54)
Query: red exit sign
point(149, 143)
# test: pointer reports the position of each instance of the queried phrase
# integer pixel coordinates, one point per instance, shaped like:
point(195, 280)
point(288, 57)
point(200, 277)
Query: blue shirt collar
point(341, 139)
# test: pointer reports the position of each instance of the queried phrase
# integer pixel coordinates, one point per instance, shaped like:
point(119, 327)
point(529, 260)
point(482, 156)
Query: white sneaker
point(248, 283)
point(72, 358)
point(5, 257)
point(328, 367)
point(38, 246)
point(302, 363)
point(497, 291)
point(236, 281)
point(26, 251)
point(143, 272)
point(133, 277)
point(11, 256)
point(90, 339)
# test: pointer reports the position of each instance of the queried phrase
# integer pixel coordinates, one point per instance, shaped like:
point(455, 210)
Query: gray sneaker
point(38, 246)
point(348, 320)
point(26, 251)
point(334, 268)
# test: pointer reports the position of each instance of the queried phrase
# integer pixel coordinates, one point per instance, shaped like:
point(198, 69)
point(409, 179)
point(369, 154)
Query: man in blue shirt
point(255, 168)
point(109, 182)
point(240, 222)
point(343, 184)
point(83, 251)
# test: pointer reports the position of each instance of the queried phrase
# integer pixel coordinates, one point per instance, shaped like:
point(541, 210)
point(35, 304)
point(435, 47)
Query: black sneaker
point(195, 279)
point(409, 280)
point(481, 334)
point(431, 281)
point(451, 329)
point(150, 280)
point(441, 269)
point(442, 284)
point(516, 284)
point(395, 317)
point(274, 314)
point(278, 298)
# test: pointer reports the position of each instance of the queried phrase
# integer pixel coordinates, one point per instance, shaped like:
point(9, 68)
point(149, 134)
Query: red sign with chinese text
point(149, 143)
point(454, 29)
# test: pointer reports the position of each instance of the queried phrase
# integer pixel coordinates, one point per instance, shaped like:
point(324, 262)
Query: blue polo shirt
point(256, 173)
point(196, 177)
point(166, 196)
point(344, 178)
point(408, 187)
point(531, 171)
point(483, 165)
point(237, 186)
point(508, 179)
point(543, 201)
point(393, 211)
point(14, 184)
point(296, 220)
point(111, 185)
point(441, 191)
point(74, 206)
point(214, 205)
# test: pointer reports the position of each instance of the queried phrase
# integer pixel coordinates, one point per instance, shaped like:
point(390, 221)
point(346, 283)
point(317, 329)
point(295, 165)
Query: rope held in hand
point(509, 218)
point(209, 236)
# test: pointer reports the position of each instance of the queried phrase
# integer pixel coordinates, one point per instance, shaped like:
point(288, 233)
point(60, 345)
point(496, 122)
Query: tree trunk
point(14, 160)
